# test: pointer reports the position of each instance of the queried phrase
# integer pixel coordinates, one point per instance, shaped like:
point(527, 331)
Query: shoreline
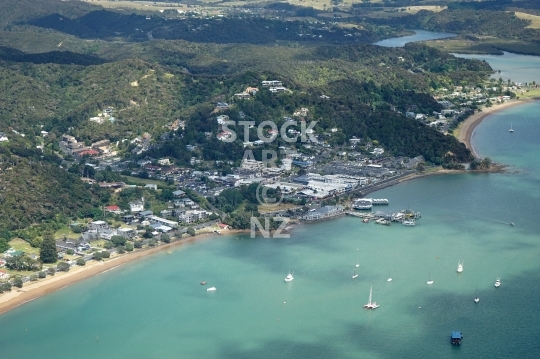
point(34, 290)
point(61, 280)
point(467, 127)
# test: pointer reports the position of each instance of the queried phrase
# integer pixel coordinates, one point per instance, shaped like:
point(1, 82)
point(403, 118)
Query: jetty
point(406, 217)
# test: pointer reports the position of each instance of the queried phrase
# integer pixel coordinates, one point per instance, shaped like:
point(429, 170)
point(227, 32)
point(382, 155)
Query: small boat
point(357, 265)
point(289, 277)
point(511, 130)
point(456, 337)
point(389, 278)
point(354, 274)
point(512, 224)
point(371, 305)
point(476, 299)
point(429, 282)
point(203, 283)
point(211, 289)
point(460, 267)
point(409, 222)
point(498, 282)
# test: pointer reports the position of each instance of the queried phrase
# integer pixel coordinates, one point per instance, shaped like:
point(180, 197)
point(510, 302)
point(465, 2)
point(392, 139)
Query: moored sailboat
point(370, 304)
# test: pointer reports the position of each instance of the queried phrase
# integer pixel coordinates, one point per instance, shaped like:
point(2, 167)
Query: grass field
point(21, 245)
point(144, 181)
point(530, 94)
point(433, 8)
point(535, 20)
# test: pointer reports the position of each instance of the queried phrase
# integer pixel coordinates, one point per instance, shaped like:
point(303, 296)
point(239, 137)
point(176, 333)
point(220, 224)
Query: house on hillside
point(136, 206)
point(113, 209)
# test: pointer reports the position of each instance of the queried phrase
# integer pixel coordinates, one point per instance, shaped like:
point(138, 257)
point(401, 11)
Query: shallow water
point(420, 35)
point(156, 308)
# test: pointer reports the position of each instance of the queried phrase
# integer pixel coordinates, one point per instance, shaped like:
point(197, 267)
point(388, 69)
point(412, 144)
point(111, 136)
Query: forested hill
point(105, 24)
point(24, 10)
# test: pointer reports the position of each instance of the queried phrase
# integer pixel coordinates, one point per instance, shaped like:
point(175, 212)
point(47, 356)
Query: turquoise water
point(518, 68)
point(156, 308)
point(420, 35)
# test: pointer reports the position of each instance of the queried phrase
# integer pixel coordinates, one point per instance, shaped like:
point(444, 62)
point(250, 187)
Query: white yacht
point(460, 267)
point(289, 277)
point(511, 129)
point(371, 305)
point(409, 222)
point(429, 282)
point(476, 299)
point(211, 289)
point(354, 274)
point(389, 278)
point(498, 282)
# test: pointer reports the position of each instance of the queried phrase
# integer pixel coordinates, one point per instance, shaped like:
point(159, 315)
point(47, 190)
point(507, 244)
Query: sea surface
point(420, 35)
point(156, 307)
point(518, 68)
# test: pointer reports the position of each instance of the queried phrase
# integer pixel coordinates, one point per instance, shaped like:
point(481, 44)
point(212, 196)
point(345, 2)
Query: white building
point(136, 206)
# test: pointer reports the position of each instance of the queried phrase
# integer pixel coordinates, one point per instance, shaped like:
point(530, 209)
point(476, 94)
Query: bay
point(156, 308)
point(515, 67)
point(420, 35)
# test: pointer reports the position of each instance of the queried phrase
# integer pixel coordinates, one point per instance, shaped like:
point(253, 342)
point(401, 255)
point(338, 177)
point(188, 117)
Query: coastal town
point(316, 181)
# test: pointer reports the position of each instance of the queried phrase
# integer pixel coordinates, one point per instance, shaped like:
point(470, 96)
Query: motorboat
point(476, 299)
point(460, 267)
point(498, 282)
point(371, 305)
point(511, 129)
point(409, 222)
point(354, 274)
point(389, 278)
point(429, 282)
point(289, 277)
point(211, 289)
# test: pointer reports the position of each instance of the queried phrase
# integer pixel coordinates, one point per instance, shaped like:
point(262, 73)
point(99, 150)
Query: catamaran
point(429, 282)
point(498, 282)
point(371, 305)
point(476, 299)
point(289, 277)
point(460, 267)
point(354, 274)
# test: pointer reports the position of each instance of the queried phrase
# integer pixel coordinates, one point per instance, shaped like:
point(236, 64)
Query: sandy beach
point(33, 290)
point(466, 130)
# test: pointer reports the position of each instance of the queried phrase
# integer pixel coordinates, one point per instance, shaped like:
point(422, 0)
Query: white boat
point(211, 289)
point(289, 277)
point(354, 274)
point(460, 267)
point(357, 265)
point(476, 299)
point(510, 130)
point(389, 278)
point(429, 282)
point(408, 222)
point(371, 305)
point(498, 282)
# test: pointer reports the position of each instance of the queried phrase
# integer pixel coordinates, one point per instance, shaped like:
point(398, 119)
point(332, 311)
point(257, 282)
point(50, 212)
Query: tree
point(70, 252)
point(105, 254)
point(191, 231)
point(42, 275)
point(118, 240)
point(138, 244)
point(47, 252)
point(17, 282)
point(81, 262)
point(34, 277)
point(165, 238)
point(4, 245)
point(51, 271)
point(129, 247)
point(97, 256)
point(62, 267)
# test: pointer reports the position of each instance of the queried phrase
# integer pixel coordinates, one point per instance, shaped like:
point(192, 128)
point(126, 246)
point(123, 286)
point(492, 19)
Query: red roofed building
point(113, 209)
point(89, 153)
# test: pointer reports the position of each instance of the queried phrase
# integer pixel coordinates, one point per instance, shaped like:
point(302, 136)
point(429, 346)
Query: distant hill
point(53, 57)
point(24, 10)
